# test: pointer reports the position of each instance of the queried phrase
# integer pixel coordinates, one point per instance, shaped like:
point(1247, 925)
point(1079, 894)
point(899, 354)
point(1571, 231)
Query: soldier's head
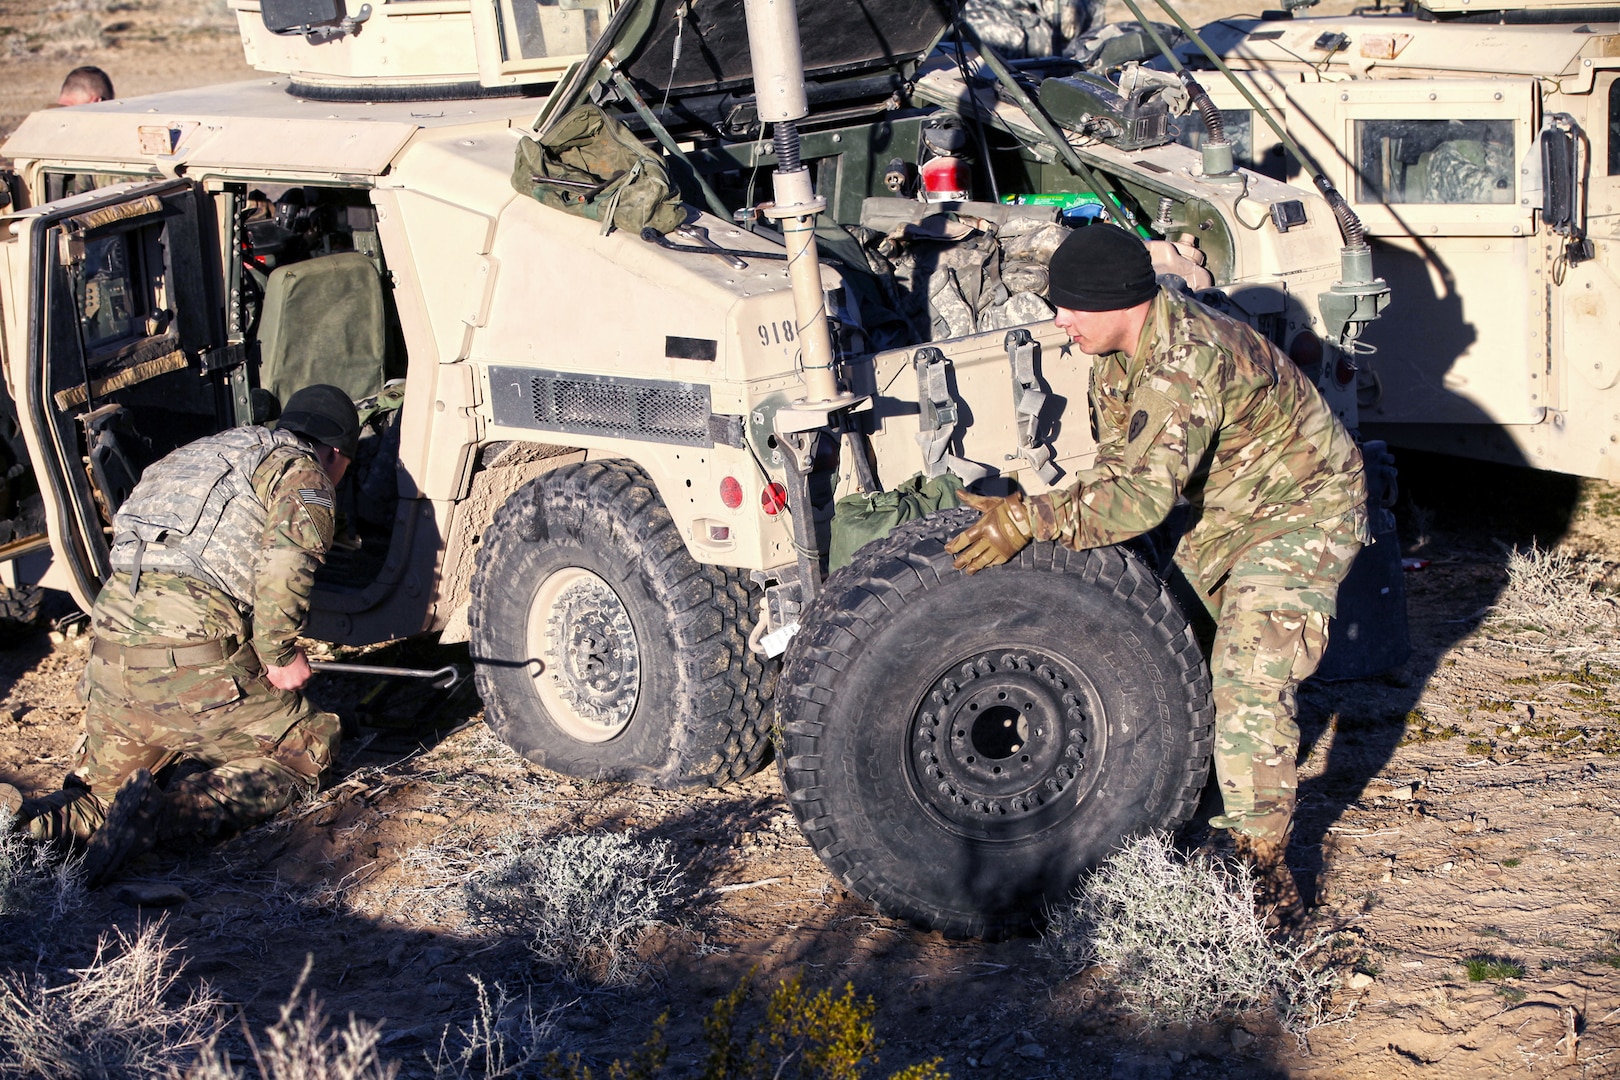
point(326, 417)
point(1102, 283)
point(84, 85)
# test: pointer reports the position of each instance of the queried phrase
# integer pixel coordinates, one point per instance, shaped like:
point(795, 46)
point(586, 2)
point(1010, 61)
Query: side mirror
point(1560, 174)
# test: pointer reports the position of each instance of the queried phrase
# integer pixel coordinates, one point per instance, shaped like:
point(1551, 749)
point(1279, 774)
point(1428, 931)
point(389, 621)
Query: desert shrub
point(1555, 591)
point(122, 1016)
point(797, 1036)
point(583, 902)
point(36, 889)
point(300, 1045)
point(504, 1038)
point(1179, 941)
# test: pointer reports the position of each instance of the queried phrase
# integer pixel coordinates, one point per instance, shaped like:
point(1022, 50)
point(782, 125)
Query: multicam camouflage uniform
point(176, 672)
point(1207, 411)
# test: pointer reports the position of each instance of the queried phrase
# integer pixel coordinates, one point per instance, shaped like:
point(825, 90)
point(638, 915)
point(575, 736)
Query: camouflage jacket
point(1206, 410)
point(296, 501)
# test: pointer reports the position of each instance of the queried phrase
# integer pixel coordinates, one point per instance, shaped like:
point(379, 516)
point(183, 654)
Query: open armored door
point(111, 300)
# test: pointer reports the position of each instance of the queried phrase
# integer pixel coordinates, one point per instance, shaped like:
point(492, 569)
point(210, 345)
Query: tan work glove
point(996, 537)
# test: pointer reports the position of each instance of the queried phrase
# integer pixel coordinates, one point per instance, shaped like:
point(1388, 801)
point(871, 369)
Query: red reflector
point(1306, 351)
point(1344, 372)
point(719, 532)
point(731, 492)
point(773, 499)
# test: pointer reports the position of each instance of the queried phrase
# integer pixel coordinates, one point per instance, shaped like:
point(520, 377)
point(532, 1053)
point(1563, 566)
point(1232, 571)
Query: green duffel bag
point(860, 519)
point(589, 164)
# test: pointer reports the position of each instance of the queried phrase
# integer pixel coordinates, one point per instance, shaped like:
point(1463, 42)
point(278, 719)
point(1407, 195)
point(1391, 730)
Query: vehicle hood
point(836, 37)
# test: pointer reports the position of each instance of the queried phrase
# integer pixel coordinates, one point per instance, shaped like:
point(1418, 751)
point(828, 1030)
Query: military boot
point(62, 817)
point(129, 831)
point(1276, 896)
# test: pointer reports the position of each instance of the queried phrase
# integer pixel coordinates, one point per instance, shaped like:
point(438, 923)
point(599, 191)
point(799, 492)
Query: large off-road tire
point(20, 612)
point(603, 649)
point(958, 749)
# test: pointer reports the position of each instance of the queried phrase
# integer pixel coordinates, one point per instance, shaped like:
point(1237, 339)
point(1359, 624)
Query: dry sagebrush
point(583, 902)
point(125, 1015)
point(36, 888)
point(1556, 592)
point(1179, 941)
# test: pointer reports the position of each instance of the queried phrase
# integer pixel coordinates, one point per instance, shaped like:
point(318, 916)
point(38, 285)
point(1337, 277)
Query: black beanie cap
point(1101, 267)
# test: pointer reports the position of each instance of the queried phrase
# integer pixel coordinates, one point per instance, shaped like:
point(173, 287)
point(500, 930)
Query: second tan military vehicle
point(1479, 143)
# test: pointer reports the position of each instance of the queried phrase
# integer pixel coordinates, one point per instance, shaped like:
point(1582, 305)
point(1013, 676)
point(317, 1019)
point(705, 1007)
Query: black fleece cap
point(323, 414)
point(1101, 267)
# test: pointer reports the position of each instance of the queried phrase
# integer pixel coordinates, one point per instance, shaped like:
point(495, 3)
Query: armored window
point(1434, 161)
point(111, 293)
point(1614, 128)
point(533, 29)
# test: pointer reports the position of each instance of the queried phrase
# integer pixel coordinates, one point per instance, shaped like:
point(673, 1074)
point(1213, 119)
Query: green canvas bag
point(589, 164)
point(860, 519)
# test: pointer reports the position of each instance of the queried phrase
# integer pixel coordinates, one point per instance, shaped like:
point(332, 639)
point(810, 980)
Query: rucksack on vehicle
point(590, 165)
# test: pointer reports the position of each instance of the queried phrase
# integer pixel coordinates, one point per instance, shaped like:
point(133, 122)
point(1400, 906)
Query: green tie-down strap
point(589, 164)
point(860, 519)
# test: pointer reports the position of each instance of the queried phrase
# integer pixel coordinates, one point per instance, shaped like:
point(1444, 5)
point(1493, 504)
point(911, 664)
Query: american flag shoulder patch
point(316, 497)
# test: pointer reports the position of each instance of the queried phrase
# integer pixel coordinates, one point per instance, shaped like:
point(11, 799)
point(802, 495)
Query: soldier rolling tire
point(603, 649)
point(958, 749)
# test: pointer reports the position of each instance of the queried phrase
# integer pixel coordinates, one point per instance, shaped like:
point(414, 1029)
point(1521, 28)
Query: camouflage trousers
point(1271, 617)
point(235, 749)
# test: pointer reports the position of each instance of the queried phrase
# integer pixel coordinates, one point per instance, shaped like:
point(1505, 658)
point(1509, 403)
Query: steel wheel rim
point(586, 664)
point(1001, 742)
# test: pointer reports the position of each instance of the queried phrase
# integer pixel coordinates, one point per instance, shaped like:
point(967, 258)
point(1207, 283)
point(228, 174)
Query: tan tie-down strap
point(118, 380)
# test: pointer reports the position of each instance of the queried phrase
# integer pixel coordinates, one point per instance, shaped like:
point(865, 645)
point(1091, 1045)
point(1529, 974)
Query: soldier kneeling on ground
point(194, 724)
point(1193, 407)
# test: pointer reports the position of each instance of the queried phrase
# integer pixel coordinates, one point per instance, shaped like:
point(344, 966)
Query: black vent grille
point(647, 409)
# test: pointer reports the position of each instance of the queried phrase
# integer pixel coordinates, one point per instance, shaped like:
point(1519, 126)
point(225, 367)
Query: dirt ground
point(1462, 806)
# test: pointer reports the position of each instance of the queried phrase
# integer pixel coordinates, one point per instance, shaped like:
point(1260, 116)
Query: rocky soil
point(1460, 809)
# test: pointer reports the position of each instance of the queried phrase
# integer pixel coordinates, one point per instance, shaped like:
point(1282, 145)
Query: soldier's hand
point(997, 536)
point(291, 676)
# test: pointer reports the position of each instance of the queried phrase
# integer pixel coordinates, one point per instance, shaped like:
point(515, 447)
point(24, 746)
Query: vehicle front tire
point(603, 649)
point(959, 749)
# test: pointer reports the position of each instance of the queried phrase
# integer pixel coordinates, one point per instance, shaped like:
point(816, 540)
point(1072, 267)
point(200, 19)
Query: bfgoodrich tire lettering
point(958, 749)
point(603, 649)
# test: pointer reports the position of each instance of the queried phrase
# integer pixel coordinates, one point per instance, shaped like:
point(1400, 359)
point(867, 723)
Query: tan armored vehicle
point(612, 458)
point(1479, 143)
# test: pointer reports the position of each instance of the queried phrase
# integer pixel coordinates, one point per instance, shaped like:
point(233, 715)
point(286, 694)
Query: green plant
point(798, 1036)
point(1510, 863)
point(1484, 967)
point(1181, 941)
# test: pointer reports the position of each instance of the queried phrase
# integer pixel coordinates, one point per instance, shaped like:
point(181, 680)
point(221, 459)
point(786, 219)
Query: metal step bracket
point(1028, 401)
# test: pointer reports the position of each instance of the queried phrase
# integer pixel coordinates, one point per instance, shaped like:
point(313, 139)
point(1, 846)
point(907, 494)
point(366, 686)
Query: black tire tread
point(721, 730)
point(884, 574)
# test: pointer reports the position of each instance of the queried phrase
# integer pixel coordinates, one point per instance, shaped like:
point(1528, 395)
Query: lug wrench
point(441, 679)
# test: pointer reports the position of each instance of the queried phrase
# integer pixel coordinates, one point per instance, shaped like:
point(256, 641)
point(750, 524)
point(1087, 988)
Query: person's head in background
point(84, 85)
